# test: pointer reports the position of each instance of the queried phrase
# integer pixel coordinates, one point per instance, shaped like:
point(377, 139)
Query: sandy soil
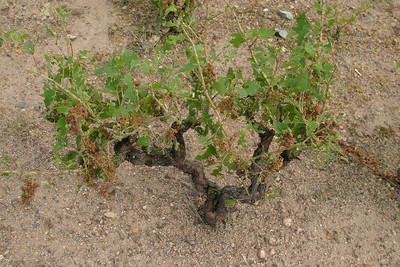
point(331, 213)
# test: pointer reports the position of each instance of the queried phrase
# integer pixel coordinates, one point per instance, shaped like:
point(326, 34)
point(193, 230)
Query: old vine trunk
point(218, 200)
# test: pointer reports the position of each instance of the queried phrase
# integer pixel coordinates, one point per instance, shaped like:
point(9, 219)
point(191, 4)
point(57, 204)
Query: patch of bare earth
point(331, 213)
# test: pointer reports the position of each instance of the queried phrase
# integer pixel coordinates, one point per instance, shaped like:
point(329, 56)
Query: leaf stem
point(203, 83)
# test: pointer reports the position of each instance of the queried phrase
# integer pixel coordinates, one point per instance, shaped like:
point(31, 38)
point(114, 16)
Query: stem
point(248, 45)
point(206, 31)
point(203, 83)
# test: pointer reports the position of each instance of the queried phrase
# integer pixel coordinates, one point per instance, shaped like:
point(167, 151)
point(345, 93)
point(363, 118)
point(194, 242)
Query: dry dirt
point(331, 213)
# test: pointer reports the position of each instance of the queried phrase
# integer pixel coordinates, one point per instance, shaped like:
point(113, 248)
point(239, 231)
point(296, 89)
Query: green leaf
point(158, 3)
point(172, 40)
point(274, 193)
point(169, 9)
point(229, 161)
point(144, 141)
point(302, 29)
point(208, 153)
point(62, 109)
point(311, 127)
point(128, 56)
point(230, 202)
point(49, 31)
point(70, 158)
point(309, 49)
point(62, 126)
point(230, 74)
point(217, 171)
point(281, 127)
point(242, 140)
point(220, 86)
point(231, 55)
point(250, 88)
point(128, 81)
point(29, 48)
point(146, 67)
point(108, 69)
point(188, 67)
point(237, 39)
point(265, 34)
point(135, 62)
point(84, 52)
point(5, 173)
point(48, 97)
point(23, 36)
point(121, 111)
point(328, 67)
point(132, 95)
point(251, 33)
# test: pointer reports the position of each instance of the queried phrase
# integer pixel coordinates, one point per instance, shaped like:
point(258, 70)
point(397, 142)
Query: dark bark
point(216, 207)
point(258, 178)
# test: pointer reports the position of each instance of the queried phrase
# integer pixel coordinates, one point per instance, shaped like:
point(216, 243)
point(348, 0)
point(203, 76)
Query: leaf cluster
point(173, 12)
point(283, 88)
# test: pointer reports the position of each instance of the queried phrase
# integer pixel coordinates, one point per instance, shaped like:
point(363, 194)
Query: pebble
point(285, 14)
point(71, 37)
point(77, 12)
point(21, 105)
point(262, 254)
point(135, 230)
point(154, 39)
point(272, 252)
point(110, 214)
point(272, 241)
point(287, 222)
point(281, 33)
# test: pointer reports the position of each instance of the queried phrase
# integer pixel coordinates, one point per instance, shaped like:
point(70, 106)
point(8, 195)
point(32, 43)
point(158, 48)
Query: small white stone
point(272, 252)
point(285, 14)
point(71, 37)
point(155, 39)
point(281, 33)
point(262, 254)
point(110, 214)
point(287, 222)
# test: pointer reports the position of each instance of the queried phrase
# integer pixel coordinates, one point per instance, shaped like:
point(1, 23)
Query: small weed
point(174, 12)
point(15, 125)
point(56, 11)
point(28, 191)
